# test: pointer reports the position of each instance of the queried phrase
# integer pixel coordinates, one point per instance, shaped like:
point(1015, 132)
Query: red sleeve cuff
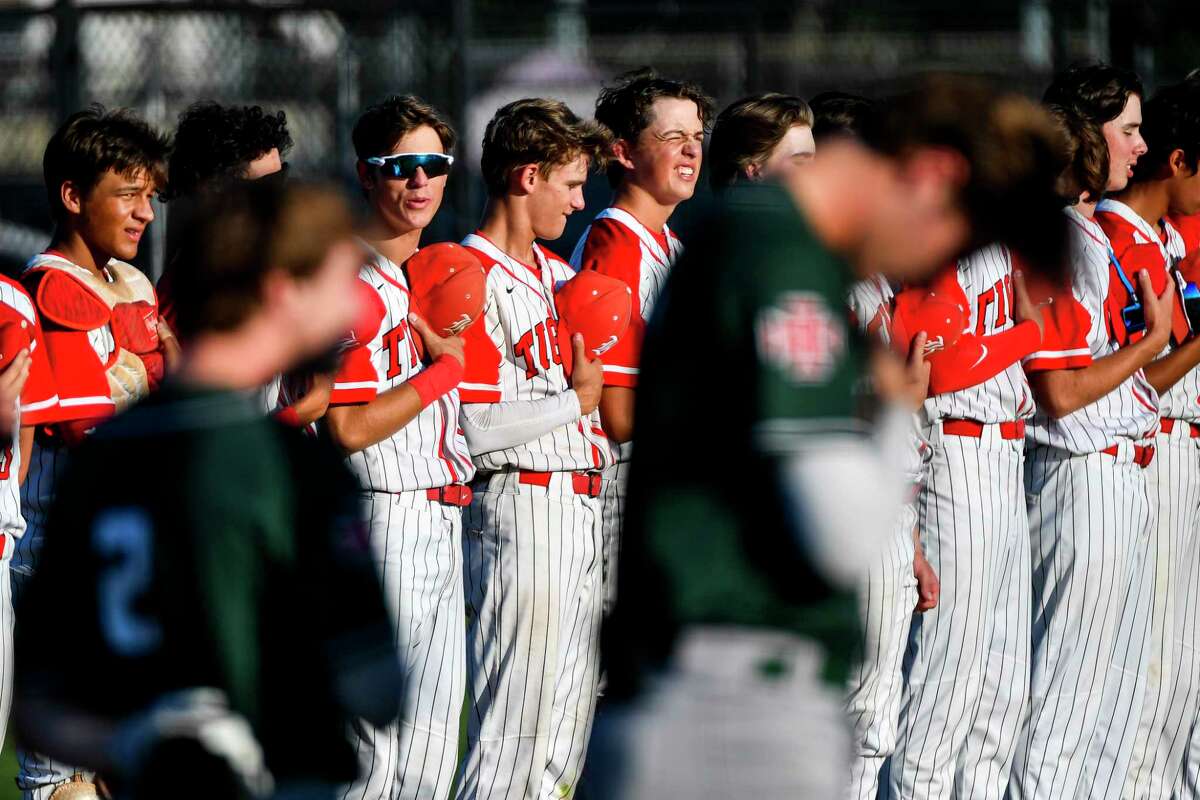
point(477, 393)
point(352, 394)
point(1046, 360)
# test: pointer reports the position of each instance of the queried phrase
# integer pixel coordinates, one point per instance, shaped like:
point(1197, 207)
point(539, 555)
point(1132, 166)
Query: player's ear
point(1178, 163)
point(622, 152)
point(525, 178)
point(754, 171)
point(71, 197)
point(364, 175)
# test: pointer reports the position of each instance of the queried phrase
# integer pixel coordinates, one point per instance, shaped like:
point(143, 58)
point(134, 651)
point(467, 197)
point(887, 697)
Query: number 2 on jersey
point(125, 537)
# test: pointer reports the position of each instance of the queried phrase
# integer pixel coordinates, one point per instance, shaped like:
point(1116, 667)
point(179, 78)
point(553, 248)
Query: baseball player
point(397, 417)
point(756, 555)
point(105, 343)
point(1187, 783)
point(659, 125)
point(213, 147)
point(224, 627)
point(532, 535)
point(898, 582)
point(765, 136)
point(965, 676)
point(1086, 485)
point(1165, 181)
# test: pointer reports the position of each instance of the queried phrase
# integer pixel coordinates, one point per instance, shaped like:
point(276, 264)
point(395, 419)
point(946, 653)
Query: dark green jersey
point(749, 352)
point(195, 542)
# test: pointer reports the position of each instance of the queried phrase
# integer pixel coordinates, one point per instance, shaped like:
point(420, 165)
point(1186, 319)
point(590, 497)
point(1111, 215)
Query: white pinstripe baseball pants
point(966, 668)
point(1173, 673)
point(1090, 518)
point(417, 544)
point(612, 509)
point(886, 599)
point(534, 604)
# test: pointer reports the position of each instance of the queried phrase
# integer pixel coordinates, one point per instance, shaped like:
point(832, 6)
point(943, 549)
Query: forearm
point(842, 538)
point(496, 426)
point(355, 428)
point(975, 359)
point(1165, 372)
point(616, 413)
point(1063, 391)
point(71, 735)
point(25, 442)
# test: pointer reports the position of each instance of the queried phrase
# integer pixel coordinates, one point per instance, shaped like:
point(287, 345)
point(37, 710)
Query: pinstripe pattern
point(533, 589)
point(1172, 691)
point(519, 304)
point(417, 545)
point(985, 277)
point(430, 451)
point(1187, 782)
point(612, 511)
point(1129, 411)
point(1090, 517)
point(886, 601)
point(965, 668)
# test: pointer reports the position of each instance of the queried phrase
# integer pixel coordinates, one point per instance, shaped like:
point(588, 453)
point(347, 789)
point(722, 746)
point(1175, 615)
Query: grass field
point(8, 774)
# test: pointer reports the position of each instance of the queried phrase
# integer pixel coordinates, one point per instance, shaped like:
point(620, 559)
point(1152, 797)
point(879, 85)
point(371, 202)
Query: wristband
point(288, 416)
point(440, 377)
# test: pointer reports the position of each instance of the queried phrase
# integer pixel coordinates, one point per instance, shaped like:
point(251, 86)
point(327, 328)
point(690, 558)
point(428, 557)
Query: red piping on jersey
point(442, 441)
point(438, 408)
point(1089, 234)
point(539, 293)
point(1142, 400)
point(390, 279)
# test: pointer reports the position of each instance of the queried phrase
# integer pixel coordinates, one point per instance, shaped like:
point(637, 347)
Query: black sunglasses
point(404, 165)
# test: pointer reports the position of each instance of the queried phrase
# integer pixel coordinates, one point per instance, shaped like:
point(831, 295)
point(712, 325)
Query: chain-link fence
point(321, 63)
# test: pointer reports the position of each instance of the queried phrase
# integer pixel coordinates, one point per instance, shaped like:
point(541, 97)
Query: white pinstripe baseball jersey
point(618, 244)
point(1181, 401)
point(1077, 334)
point(428, 452)
point(984, 279)
point(514, 355)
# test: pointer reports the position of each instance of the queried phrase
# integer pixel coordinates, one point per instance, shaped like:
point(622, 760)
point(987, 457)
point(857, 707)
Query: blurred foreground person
point(742, 592)
point(231, 585)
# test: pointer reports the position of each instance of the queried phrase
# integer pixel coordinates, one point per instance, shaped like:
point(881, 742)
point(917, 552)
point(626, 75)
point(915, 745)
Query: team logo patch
point(801, 336)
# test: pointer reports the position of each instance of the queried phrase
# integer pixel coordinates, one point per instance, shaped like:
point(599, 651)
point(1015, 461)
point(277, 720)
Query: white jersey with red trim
point(38, 405)
point(984, 281)
point(619, 245)
point(1074, 340)
point(1181, 401)
point(513, 354)
point(428, 452)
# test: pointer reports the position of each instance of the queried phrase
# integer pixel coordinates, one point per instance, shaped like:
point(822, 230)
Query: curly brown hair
point(214, 144)
point(538, 131)
point(624, 107)
point(92, 142)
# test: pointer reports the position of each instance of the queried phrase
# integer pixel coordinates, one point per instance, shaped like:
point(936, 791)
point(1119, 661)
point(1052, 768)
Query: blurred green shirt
point(749, 355)
point(196, 542)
